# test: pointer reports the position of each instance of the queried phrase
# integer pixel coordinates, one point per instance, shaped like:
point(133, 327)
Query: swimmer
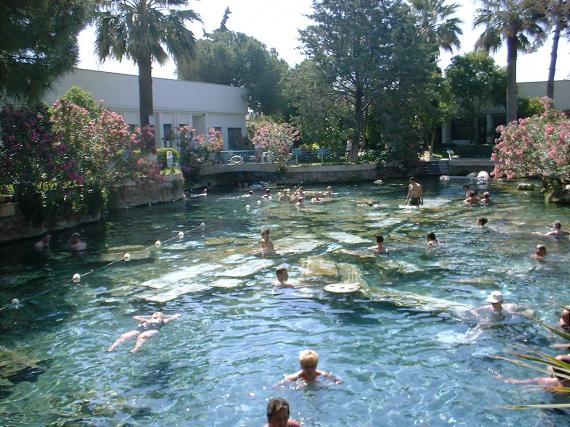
point(266, 243)
point(249, 194)
point(548, 382)
point(329, 191)
point(267, 194)
point(75, 244)
point(471, 199)
point(43, 243)
point(148, 327)
point(466, 190)
point(486, 199)
point(284, 197)
point(539, 253)
point(557, 231)
point(309, 359)
point(282, 277)
point(431, 240)
point(300, 202)
point(497, 310)
point(317, 199)
point(564, 322)
point(481, 221)
point(415, 195)
point(379, 248)
point(278, 414)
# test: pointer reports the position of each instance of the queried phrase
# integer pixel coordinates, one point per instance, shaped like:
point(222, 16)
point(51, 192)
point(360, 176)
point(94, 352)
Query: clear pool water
point(404, 360)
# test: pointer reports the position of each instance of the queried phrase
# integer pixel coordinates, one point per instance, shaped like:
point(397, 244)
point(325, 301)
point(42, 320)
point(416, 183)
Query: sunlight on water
point(406, 347)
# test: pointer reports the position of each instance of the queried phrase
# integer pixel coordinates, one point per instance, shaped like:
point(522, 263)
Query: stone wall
point(130, 194)
point(144, 192)
point(223, 175)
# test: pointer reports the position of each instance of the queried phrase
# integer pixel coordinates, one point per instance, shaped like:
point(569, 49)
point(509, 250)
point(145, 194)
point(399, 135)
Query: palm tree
point(515, 21)
point(558, 17)
point(436, 24)
point(144, 31)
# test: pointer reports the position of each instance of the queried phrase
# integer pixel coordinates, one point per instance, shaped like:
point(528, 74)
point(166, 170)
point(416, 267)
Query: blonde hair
point(308, 356)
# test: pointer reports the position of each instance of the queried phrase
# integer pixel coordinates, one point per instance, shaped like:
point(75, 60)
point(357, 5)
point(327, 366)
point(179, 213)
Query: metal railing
point(297, 156)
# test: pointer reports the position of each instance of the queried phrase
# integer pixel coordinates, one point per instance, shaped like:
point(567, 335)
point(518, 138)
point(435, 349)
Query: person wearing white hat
point(497, 309)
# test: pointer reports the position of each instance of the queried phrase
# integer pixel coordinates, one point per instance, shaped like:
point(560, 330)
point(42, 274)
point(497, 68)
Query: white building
point(176, 103)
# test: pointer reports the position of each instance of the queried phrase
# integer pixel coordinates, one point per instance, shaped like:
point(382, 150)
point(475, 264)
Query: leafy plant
point(277, 139)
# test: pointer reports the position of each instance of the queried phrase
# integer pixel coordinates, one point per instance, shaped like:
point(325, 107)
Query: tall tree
point(557, 14)
point(144, 31)
point(38, 42)
point(236, 59)
point(436, 23)
point(474, 80)
point(515, 21)
point(351, 44)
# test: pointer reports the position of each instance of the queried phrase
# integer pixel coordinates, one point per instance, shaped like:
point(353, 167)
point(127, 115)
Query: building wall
point(538, 89)
point(176, 102)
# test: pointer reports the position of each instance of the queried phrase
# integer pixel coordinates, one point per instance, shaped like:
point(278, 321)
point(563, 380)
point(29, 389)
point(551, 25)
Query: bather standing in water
point(266, 243)
point(43, 243)
point(415, 195)
point(148, 326)
point(278, 414)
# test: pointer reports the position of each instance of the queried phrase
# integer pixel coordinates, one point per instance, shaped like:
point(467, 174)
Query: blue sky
point(276, 23)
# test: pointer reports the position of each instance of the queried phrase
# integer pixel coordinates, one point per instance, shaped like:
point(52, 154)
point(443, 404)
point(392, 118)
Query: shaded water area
point(404, 359)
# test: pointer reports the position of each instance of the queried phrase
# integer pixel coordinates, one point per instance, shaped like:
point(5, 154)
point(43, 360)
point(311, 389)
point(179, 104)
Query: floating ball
point(76, 278)
point(127, 257)
point(181, 234)
point(15, 301)
point(157, 243)
point(247, 207)
point(202, 226)
point(219, 218)
point(259, 203)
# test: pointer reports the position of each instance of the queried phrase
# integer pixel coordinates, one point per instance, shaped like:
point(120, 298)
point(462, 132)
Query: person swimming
point(278, 413)
point(557, 231)
point(431, 240)
point(481, 221)
point(539, 253)
point(75, 244)
point(309, 359)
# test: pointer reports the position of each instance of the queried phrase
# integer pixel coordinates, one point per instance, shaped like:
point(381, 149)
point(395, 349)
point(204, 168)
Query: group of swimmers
point(74, 244)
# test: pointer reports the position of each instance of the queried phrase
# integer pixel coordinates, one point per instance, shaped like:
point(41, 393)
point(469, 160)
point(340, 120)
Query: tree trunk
point(359, 119)
point(145, 90)
point(512, 45)
point(553, 58)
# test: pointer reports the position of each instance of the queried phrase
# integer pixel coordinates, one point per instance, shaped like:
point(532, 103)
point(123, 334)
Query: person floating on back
point(148, 327)
point(278, 414)
point(415, 195)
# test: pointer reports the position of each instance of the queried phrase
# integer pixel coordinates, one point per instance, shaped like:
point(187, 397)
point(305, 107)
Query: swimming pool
point(403, 361)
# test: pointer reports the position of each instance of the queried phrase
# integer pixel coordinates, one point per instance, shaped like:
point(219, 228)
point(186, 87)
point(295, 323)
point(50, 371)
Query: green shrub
point(161, 153)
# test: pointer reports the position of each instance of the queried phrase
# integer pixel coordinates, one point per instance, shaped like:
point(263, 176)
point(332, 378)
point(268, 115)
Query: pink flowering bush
point(537, 146)
point(276, 138)
point(62, 160)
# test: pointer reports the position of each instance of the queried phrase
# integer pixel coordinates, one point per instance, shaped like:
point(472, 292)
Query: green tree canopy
point(144, 31)
point(517, 22)
point(236, 59)
point(38, 42)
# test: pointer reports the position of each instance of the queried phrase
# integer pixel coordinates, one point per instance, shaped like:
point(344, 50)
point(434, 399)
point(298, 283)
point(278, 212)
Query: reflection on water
point(406, 348)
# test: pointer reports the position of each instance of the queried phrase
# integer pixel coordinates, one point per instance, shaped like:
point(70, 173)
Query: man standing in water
point(415, 193)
